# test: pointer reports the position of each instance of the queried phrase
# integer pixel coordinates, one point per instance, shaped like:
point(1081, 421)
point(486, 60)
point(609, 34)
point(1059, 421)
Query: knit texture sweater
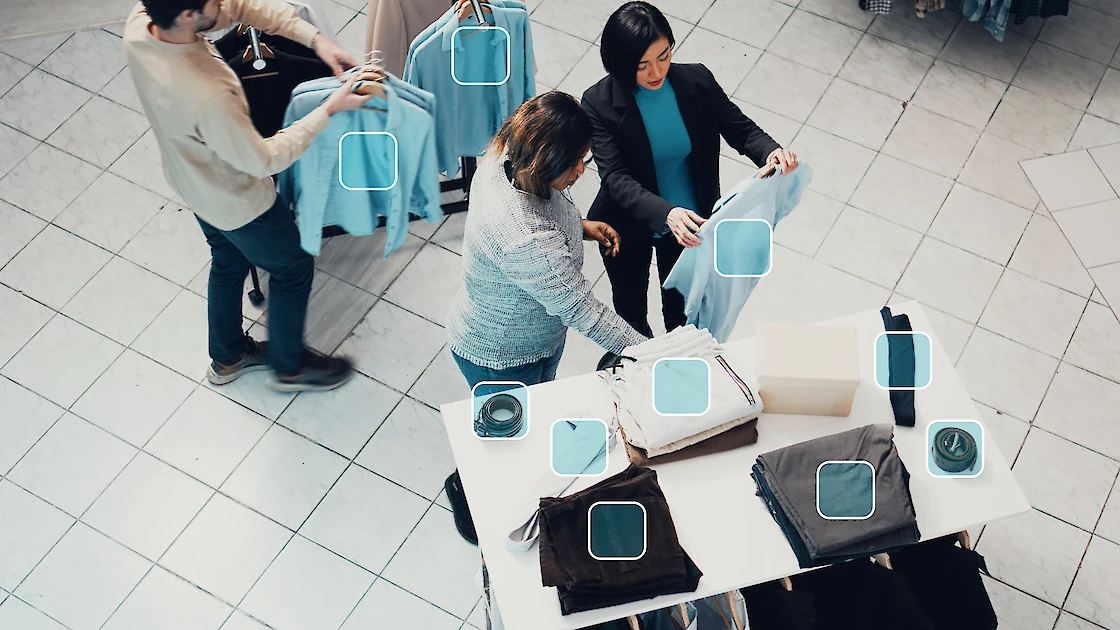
point(523, 283)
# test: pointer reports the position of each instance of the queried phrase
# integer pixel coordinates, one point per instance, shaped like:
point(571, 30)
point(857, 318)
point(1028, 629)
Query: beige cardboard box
point(812, 370)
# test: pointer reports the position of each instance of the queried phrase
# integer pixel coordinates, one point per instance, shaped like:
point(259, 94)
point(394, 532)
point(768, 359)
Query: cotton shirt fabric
point(469, 116)
point(657, 434)
point(787, 482)
point(212, 155)
point(313, 185)
point(670, 144)
point(523, 282)
point(713, 301)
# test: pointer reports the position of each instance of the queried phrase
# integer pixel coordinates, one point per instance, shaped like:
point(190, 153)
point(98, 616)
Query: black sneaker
point(254, 358)
point(318, 374)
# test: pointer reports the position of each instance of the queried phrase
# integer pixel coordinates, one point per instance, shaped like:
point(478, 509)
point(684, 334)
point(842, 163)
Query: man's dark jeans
point(270, 242)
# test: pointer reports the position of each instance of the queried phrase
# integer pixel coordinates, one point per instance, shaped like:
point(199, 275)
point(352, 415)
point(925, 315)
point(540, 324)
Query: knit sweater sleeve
point(542, 265)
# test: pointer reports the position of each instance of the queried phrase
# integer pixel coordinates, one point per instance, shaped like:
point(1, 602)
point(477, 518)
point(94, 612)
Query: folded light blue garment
point(711, 300)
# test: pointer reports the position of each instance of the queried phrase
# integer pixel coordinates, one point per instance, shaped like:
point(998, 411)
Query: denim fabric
point(270, 242)
point(313, 184)
point(533, 373)
point(713, 301)
point(997, 13)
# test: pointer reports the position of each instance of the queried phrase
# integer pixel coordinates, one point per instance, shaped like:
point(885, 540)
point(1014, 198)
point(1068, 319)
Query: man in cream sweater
point(220, 165)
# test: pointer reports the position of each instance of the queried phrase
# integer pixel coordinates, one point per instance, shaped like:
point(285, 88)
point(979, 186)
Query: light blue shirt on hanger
point(313, 184)
point(468, 116)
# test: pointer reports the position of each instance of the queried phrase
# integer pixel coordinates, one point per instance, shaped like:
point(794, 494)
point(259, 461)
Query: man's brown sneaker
point(254, 358)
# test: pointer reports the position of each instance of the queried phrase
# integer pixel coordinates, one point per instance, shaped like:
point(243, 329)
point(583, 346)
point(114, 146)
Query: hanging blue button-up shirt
point(468, 116)
point(314, 182)
point(711, 300)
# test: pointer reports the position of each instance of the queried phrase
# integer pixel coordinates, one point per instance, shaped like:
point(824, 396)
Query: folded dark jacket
point(786, 480)
point(585, 583)
point(742, 435)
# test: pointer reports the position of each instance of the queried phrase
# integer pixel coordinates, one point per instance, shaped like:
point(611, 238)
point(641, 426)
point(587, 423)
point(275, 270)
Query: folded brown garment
point(742, 435)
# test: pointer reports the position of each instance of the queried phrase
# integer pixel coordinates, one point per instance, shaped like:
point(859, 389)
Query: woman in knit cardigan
point(523, 284)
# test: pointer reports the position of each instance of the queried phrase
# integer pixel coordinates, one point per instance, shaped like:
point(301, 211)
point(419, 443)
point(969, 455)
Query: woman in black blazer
point(658, 187)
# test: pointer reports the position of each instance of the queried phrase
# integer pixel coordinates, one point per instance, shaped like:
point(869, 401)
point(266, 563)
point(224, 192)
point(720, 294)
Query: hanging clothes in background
point(404, 164)
point(787, 483)
point(268, 90)
point(392, 24)
point(311, 11)
point(711, 300)
point(884, 6)
point(469, 115)
point(1023, 9)
point(925, 7)
point(994, 12)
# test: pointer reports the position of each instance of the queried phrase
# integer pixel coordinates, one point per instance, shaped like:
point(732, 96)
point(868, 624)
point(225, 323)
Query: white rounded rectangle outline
point(875, 360)
point(645, 542)
point(944, 473)
point(715, 253)
point(524, 409)
point(653, 388)
point(846, 518)
point(396, 157)
point(552, 448)
point(509, 53)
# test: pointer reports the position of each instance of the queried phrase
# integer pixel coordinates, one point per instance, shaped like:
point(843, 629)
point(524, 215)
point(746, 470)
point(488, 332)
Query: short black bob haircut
point(629, 33)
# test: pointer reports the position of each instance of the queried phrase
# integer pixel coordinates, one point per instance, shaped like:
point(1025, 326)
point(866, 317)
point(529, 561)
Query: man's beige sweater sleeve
point(225, 127)
point(274, 17)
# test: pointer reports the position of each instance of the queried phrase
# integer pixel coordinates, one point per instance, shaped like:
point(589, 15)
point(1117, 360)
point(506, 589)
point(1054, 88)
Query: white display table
point(720, 522)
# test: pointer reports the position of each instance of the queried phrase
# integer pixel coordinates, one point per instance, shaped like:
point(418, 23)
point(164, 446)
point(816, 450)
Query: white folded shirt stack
point(657, 434)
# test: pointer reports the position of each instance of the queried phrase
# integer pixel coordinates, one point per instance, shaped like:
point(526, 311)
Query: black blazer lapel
point(633, 128)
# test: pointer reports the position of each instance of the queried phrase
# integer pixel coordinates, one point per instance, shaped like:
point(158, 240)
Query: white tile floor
point(134, 496)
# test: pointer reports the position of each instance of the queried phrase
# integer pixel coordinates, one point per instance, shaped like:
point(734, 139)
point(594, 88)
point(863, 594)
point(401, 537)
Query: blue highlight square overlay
point(485, 389)
point(616, 530)
point(682, 387)
point(472, 66)
point(974, 429)
point(579, 447)
point(744, 248)
point(845, 490)
point(359, 168)
point(923, 361)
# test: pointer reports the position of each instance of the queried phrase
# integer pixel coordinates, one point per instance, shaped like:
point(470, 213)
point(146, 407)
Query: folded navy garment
point(900, 349)
point(787, 482)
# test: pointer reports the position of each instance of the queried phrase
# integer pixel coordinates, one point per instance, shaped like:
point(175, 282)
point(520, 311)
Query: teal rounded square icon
point(616, 530)
point(955, 448)
point(912, 352)
point(500, 410)
point(845, 490)
point(579, 447)
point(744, 248)
point(682, 387)
point(481, 55)
point(359, 167)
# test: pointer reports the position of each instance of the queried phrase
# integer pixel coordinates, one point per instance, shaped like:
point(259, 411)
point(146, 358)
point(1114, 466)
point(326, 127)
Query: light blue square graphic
point(845, 490)
point(956, 449)
point(500, 410)
point(616, 530)
point(896, 342)
point(744, 248)
point(681, 387)
point(360, 163)
point(481, 55)
point(579, 447)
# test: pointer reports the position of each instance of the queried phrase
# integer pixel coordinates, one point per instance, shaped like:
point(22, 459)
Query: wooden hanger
point(465, 9)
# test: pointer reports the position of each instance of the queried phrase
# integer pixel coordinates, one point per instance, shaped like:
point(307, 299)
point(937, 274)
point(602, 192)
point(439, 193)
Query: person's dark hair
point(545, 138)
point(164, 12)
point(629, 33)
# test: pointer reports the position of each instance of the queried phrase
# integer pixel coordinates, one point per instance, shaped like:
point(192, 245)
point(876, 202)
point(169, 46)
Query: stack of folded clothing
point(787, 482)
point(650, 434)
point(585, 583)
